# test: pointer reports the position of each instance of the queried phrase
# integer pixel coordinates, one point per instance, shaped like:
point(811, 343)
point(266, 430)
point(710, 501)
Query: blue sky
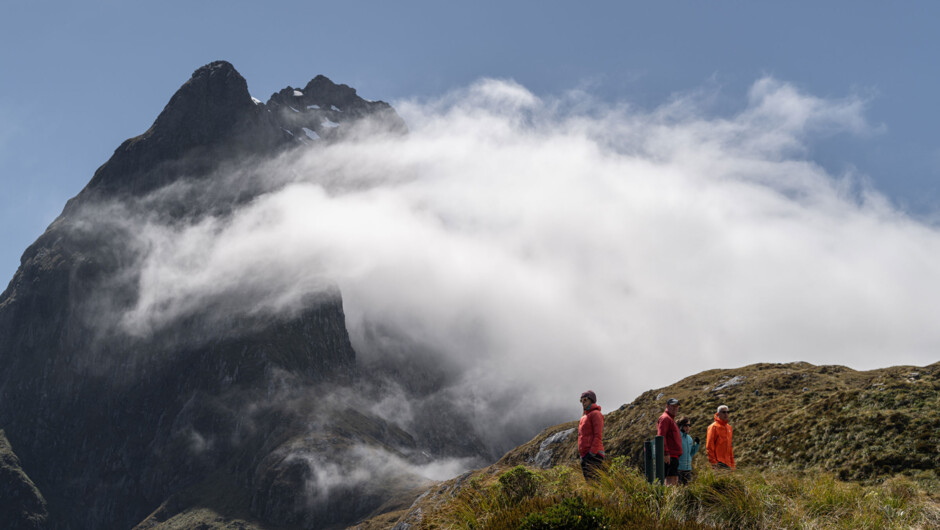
point(76, 79)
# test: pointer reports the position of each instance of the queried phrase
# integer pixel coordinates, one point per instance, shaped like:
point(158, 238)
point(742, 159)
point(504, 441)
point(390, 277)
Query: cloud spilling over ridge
point(366, 467)
point(545, 246)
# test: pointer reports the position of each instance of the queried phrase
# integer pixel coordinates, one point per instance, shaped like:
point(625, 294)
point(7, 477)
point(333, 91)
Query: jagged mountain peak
point(323, 93)
point(215, 67)
point(209, 118)
point(320, 109)
point(212, 118)
point(213, 100)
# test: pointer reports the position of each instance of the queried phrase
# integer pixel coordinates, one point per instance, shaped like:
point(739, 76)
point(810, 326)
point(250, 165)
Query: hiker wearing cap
point(590, 432)
point(718, 440)
point(672, 441)
point(689, 448)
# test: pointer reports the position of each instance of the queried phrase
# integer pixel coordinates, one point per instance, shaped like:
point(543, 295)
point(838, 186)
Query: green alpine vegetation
point(816, 447)
point(558, 498)
point(859, 426)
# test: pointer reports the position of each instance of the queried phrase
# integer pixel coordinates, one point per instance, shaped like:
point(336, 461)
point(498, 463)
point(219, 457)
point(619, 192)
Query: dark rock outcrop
point(22, 506)
point(317, 110)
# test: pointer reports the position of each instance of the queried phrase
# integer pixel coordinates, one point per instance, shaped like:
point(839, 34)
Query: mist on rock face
point(512, 251)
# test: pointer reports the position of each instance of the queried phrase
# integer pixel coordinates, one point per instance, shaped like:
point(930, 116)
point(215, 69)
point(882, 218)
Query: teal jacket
point(689, 448)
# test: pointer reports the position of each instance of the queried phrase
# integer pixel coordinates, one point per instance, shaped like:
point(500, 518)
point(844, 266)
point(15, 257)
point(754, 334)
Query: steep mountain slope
point(108, 420)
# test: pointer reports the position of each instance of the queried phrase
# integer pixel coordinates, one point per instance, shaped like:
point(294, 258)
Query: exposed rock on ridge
point(321, 106)
point(21, 504)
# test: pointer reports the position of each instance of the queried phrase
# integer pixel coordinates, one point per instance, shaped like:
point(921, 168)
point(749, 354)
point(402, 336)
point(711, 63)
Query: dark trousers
point(591, 464)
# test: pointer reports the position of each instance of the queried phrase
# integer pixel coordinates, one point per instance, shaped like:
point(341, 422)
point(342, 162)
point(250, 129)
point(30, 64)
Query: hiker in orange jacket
point(590, 433)
point(718, 441)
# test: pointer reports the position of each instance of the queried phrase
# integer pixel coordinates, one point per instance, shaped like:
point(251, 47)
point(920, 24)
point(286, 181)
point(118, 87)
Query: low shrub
point(570, 514)
point(519, 483)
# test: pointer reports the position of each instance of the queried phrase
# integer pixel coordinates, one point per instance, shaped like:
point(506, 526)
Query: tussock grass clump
point(559, 498)
point(572, 513)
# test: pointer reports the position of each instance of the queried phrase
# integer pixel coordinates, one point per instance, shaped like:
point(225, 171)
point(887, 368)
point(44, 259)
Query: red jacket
point(672, 440)
point(591, 430)
point(718, 443)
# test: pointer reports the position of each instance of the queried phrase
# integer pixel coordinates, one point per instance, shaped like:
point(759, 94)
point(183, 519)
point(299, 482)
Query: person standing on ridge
point(718, 441)
point(590, 433)
point(672, 441)
point(689, 448)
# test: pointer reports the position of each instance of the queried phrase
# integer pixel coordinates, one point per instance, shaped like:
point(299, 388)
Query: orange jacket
point(718, 443)
point(590, 431)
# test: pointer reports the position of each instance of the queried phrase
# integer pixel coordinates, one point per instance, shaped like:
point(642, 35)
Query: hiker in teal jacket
point(689, 448)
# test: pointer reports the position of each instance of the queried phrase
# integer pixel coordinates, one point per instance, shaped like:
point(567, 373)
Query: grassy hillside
point(816, 447)
point(860, 426)
point(558, 498)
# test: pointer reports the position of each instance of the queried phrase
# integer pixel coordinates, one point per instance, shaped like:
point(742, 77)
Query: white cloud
point(547, 251)
point(369, 468)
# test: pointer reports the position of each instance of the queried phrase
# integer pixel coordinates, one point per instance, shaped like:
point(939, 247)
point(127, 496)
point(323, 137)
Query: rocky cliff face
point(110, 425)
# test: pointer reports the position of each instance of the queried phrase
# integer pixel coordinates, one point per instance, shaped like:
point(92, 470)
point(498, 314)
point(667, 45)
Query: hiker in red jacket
point(672, 441)
point(590, 432)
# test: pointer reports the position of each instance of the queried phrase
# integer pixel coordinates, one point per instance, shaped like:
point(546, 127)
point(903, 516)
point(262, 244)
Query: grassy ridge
point(859, 426)
point(556, 498)
point(816, 447)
